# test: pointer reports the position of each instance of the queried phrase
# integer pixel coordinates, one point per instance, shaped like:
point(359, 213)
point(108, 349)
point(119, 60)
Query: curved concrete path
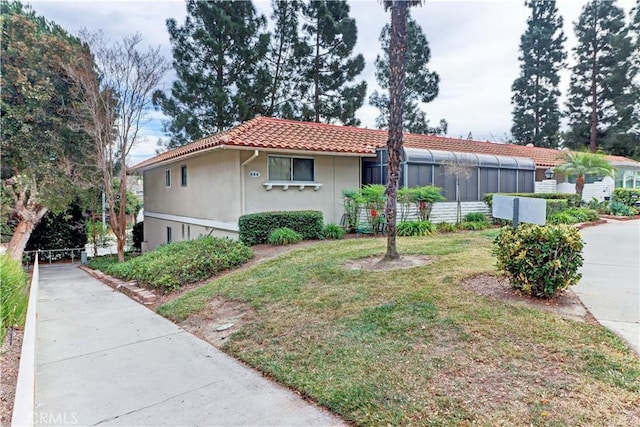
point(610, 285)
point(103, 359)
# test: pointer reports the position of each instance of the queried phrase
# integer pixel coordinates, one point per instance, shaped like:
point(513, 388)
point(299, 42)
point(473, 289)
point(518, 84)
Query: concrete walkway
point(104, 359)
point(610, 285)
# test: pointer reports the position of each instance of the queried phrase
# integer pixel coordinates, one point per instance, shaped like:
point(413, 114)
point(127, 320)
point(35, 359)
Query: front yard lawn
point(413, 346)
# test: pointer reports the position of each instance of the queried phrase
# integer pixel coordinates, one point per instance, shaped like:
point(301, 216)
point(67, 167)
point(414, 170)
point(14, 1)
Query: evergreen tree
point(328, 66)
point(599, 92)
point(420, 85)
point(283, 59)
point(218, 55)
point(536, 114)
point(43, 153)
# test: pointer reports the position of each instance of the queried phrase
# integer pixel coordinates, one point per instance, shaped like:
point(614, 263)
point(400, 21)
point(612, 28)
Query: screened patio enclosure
point(477, 174)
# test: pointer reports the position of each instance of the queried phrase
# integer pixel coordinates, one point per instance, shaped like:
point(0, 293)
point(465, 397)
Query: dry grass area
point(415, 346)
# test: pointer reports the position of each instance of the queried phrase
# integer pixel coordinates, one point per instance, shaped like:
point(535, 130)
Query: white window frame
point(183, 175)
point(167, 178)
point(291, 180)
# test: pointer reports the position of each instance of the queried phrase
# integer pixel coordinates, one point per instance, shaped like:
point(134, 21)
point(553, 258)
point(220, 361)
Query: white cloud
point(474, 47)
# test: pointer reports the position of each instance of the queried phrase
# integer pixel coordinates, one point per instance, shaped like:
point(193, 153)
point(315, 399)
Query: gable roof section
point(279, 134)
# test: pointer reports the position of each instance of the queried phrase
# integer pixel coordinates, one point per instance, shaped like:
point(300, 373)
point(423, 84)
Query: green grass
point(13, 294)
point(413, 346)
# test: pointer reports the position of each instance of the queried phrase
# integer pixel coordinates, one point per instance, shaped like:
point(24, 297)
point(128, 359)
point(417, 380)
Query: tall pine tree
point(218, 56)
point(329, 69)
point(536, 113)
point(600, 81)
point(420, 85)
point(283, 59)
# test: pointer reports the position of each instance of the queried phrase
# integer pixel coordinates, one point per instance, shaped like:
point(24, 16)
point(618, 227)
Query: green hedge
point(256, 228)
point(13, 292)
point(540, 261)
point(628, 196)
point(573, 216)
point(176, 264)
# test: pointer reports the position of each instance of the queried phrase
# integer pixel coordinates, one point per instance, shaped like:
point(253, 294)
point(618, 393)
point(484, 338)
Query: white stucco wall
point(598, 190)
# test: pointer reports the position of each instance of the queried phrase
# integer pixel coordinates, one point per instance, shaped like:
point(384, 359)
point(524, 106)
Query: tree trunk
point(316, 74)
point(397, 65)
point(28, 222)
point(579, 187)
point(593, 147)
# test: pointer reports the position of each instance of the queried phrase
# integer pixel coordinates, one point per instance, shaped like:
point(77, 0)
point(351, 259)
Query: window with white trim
point(299, 169)
point(183, 175)
point(169, 235)
point(167, 178)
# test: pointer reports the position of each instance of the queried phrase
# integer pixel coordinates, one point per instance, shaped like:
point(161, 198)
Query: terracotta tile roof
point(271, 133)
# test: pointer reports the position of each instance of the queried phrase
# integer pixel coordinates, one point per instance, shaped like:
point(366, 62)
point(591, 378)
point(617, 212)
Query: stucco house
point(269, 164)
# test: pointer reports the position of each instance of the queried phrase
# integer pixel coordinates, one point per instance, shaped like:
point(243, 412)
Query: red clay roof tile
point(272, 133)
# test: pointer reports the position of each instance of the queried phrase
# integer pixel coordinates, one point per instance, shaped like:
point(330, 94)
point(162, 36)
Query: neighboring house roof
point(280, 134)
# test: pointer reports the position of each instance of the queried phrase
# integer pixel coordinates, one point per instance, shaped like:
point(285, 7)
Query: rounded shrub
point(540, 260)
point(284, 236)
point(445, 227)
point(333, 231)
point(416, 228)
point(13, 288)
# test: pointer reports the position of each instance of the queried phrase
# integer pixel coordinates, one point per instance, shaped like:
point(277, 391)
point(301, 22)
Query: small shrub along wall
point(176, 264)
point(540, 260)
point(628, 196)
point(13, 291)
point(256, 228)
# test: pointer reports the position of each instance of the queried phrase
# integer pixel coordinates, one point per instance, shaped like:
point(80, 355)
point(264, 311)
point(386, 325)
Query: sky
point(474, 49)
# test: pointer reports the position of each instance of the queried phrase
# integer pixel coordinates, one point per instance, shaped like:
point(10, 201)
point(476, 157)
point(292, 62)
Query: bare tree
point(460, 169)
point(117, 80)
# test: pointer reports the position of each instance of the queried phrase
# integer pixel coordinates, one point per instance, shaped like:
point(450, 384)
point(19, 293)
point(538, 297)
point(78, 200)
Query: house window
point(183, 175)
point(169, 235)
point(588, 179)
point(291, 169)
point(167, 178)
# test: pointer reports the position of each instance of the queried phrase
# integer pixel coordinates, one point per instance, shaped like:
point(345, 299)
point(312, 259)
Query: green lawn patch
point(413, 347)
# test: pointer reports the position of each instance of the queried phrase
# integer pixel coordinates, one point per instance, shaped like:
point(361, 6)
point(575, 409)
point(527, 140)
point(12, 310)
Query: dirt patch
point(567, 304)
point(375, 263)
point(9, 364)
point(218, 320)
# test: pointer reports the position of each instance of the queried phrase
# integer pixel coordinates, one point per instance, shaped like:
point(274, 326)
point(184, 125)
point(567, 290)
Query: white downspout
point(243, 191)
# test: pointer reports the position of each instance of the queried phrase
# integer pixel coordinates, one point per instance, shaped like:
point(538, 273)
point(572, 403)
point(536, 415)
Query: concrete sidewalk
point(104, 359)
point(610, 285)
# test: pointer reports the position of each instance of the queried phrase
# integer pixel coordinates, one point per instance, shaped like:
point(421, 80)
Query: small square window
point(183, 175)
point(167, 178)
point(291, 169)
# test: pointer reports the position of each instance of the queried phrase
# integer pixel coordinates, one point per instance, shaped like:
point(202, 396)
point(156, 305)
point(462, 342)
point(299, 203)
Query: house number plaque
point(254, 174)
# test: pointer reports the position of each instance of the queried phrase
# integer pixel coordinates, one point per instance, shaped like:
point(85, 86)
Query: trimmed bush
point(628, 196)
point(415, 228)
point(555, 206)
point(284, 236)
point(620, 209)
point(475, 217)
point(333, 231)
point(445, 227)
point(540, 261)
point(488, 197)
point(13, 289)
point(177, 264)
point(256, 228)
point(573, 216)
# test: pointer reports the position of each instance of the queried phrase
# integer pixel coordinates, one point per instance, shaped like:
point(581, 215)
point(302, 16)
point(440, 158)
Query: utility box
point(83, 258)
